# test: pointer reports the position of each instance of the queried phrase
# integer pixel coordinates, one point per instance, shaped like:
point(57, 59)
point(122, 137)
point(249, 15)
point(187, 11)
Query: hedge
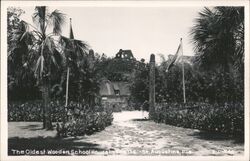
point(83, 120)
point(76, 119)
point(224, 118)
point(33, 111)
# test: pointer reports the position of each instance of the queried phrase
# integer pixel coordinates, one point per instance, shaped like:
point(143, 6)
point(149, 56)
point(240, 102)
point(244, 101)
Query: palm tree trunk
point(47, 124)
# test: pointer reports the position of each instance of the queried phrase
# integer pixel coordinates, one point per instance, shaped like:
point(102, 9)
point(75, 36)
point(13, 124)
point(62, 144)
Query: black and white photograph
point(138, 79)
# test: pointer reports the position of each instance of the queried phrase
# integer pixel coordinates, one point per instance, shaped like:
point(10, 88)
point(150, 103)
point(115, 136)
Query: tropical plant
point(74, 51)
point(84, 73)
point(218, 37)
point(42, 54)
point(21, 81)
point(89, 77)
point(225, 118)
point(82, 120)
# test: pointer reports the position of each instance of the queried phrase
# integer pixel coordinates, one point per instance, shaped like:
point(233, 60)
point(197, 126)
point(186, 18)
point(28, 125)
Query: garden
point(55, 80)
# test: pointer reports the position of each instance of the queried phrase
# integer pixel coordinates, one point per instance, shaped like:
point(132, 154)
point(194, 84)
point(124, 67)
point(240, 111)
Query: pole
point(71, 36)
point(183, 75)
point(152, 86)
point(67, 88)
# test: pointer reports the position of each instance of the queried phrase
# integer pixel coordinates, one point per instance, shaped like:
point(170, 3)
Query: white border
point(187, 3)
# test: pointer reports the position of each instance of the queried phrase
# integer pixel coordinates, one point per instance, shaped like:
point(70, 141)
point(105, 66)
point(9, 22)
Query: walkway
point(131, 134)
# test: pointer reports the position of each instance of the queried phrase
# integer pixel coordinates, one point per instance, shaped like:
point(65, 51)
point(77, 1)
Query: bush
point(33, 111)
point(120, 106)
point(226, 118)
point(76, 119)
point(83, 120)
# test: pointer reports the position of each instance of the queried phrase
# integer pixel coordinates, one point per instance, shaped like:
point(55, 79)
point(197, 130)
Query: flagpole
point(71, 36)
point(67, 88)
point(183, 75)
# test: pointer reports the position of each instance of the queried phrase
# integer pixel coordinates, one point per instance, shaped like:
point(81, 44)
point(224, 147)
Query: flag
point(176, 57)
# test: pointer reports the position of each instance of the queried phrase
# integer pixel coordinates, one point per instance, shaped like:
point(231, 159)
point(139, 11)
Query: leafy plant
point(81, 120)
point(224, 118)
point(40, 51)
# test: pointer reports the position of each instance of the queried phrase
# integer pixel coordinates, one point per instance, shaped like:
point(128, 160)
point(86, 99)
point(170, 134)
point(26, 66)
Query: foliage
point(225, 118)
point(201, 86)
point(214, 74)
point(33, 111)
point(84, 79)
point(13, 24)
point(40, 54)
point(117, 69)
point(89, 79)
point(76, 119)
point(81, 120)
point(119, 107)
point(139, 84)
point(21, 80)
point(218, 36)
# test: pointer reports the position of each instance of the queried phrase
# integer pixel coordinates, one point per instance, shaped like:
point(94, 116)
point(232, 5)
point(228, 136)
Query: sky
point(144, 30)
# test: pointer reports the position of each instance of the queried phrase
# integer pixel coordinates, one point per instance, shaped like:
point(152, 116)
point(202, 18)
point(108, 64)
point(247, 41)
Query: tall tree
point(218, 36)
point(75, 51)
point(20, 77)
point(42, 53)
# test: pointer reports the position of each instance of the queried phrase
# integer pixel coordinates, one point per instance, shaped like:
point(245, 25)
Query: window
point(117, 92)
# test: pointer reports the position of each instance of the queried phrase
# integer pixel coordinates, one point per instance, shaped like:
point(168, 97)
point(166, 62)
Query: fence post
point(152, 86)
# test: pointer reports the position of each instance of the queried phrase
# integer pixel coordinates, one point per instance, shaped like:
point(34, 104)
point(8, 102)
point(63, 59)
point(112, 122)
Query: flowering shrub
point(76, 119)
point(33, 111)
point(227, 118)
point(119, 107)
point(83, 120)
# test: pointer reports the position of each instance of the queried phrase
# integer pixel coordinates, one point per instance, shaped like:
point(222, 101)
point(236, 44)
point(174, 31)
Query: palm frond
point(73, 45)
point(28, 38)
point(57, 59)
point(65, 42)
point(39, 67)
point(20, 39)
point(48, 42)
point(39, 18)
point(81, 47)
point(214, 35)
point(54, 61)
point(54, 54)
point(57, 20)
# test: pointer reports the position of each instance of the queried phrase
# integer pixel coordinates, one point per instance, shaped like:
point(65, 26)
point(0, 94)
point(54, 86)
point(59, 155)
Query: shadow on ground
point(215, 136)
point(145, 119)
point(49, 143)
point(31, 127)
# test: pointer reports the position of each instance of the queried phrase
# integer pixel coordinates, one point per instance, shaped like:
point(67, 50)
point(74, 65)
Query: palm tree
point(42, 53)
point(20, 76)
point(74, 51)
point(218, 37)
